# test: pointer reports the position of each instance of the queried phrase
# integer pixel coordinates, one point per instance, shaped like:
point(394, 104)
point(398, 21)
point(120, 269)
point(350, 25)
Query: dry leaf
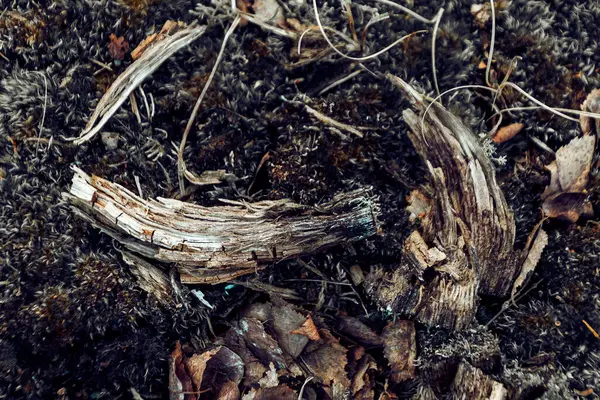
point(179, 380)
point(269, 11)
point(507, 132)
point(363, 383)
point(308, 329)
point(261, 344)
point(591, 104)
point(352, 327)
point(565, 196)
point(533, 258)
point(117, 47)
point(196, 365)
point(285, 320)
point(400, 349)
point(229, 391)
point(328, 362)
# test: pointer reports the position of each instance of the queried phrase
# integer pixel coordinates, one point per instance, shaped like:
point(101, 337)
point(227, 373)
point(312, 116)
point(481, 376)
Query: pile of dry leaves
point(275, 350)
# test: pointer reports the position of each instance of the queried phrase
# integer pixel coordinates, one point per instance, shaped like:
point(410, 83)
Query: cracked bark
point(464, 244)
point(217, 244)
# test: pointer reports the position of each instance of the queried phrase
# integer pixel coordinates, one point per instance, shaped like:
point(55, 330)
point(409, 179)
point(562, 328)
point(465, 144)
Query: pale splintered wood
point(215, 244)
point(464, 243)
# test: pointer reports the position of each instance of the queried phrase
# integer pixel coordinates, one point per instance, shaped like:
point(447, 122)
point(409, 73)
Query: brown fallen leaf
point(400, 349)
point(179, 380)
point(285, 320)
point(117, 47)
point(308, 329)
point(281, 392)
point(328, 362)
point(507, 132)
point(565, 196)
point(196, 365)
point(229, 391)
point(355, 329)
point(591, 104)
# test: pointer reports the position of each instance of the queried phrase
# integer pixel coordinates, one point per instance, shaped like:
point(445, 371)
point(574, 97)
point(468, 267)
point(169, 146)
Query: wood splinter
point(216, 244)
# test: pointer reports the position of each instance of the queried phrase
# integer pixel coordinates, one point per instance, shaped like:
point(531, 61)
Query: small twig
point(139, 187)
point(327, 120)
point(493, 40)
point(340, 81)
point(43, 112)
point(596, 335)
point(134, 108)
point(319, 281)
point(310, 378)
point(180, 162)
point(374, 55)
point(438, 19)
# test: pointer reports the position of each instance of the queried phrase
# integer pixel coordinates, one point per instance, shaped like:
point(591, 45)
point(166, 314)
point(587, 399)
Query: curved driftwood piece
point(464, 245)
point(216, 244)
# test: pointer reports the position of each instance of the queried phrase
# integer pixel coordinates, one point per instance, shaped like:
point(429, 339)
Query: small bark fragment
point(471, 383)
point(151, 279)
point(400, 349)
point(217, 244)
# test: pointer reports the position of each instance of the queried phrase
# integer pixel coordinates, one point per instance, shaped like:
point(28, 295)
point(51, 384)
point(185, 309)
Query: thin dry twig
point(181, 168)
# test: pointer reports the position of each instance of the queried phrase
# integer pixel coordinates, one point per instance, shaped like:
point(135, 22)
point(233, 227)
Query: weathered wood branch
point(467, 232)
point(216, 244)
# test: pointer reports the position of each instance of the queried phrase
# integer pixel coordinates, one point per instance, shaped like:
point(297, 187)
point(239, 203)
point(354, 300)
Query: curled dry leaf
point(400, 349)
point(179, 380)
point(196, 365)
point(308, 329)
point(565, 197)
point(117, 47)
point(507, 132)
